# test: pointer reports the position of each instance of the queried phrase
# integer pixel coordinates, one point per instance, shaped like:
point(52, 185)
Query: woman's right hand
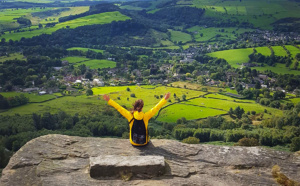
point(167, 96)
point(106, 97)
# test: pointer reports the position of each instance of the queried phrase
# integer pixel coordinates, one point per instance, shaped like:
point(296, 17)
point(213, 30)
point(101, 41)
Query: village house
point(248, 86)
point(187, 60)
point(155, 81)
point(57, 68)
point(27, 90)
point(42, 93)
point(97, 82)
point(78, 81)
point(264, 86)
point(262, 77)
point(65, 63)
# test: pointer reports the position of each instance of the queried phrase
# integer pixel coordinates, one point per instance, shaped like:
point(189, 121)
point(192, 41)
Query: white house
point(97, 82)
point(78, 81)
point(42, 93)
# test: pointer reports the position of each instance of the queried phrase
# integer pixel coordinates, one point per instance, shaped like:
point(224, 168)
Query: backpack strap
point(131, 119)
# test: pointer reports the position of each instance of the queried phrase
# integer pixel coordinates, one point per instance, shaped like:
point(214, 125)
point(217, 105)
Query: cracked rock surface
point(64, 160)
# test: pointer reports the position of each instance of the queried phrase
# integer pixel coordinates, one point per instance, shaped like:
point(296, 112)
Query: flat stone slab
point(126, 166)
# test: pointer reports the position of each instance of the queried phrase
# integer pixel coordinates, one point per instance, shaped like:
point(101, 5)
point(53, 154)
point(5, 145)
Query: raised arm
point(118, 107)
point(155, 109)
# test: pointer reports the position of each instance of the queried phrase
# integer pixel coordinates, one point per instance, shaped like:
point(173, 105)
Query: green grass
point(86, 49)
point(220, 96)
point(231, 91)
point(279, 68)
point(264, 51)
point(177, 36)
point(293, 50)
point(69, 104)
point(72, 11)
point(234, 56)
point(102, 18)
point(259, 13)
point(12, 57)
point(209, 34)
point(190, 112)
point(279, 51)
point(146, 94)
point(75, 59)
point(295, 100)
point(33, 97)
point(227, 104)
point(240, 56)
point(96, 63)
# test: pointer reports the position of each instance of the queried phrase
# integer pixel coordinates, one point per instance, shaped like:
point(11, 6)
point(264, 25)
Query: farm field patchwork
point(264, 51)
point(33, 97)
point(101, 18)
point(233, 56)
point(293, 50)
point(75, 59)
point(12, 57)
point(240, 56)
point(279, 68)
point(226, 105)
point(146, 93)
point(178, 36)
point(210, 33)
point(190, 112)
point(98, 63)
point(69, 104)
point(72, 11)
point(279, 51)
point(220, 96)
point(85, 49)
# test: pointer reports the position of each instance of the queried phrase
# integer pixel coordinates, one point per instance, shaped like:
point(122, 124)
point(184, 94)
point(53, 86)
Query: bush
point(128, 89)
point(191, 140)
point(89, 92)
point(281, 178)
point(132, 95)
point(295, 145)
point(253, 112)
point(248, 142)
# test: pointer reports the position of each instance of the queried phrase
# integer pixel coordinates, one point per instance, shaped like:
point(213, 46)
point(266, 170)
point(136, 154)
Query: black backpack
point(138, 131)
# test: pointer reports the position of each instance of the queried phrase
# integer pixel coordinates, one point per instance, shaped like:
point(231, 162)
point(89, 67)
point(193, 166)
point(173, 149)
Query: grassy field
point(293, 50)
point(279, 68)
point(190, 112)
point(263, 50)
point(12, 57)
point(96, 63)
point(220, 96)
point(279, 51)
point(193, 86)
point(102, 18)
point(33, 97)
point(177, 36)
point(69, 104)
point(72, 11)
point(145, 93)
point(209, 34)
point(86, 49)
point(260, 13)
point(75, 59)
point(8, 16)
point(227, 104)
point(240, 56)
point(234, 56)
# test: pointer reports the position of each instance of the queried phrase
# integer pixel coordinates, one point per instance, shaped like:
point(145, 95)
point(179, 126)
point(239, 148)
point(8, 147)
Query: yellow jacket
point(137, 115)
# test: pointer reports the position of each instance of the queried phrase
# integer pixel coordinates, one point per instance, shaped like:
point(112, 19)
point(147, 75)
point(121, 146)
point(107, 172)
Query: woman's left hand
point(106, 97)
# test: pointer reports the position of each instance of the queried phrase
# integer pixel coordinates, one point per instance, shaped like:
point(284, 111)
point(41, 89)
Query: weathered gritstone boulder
point(63, 160)
point(120, 166)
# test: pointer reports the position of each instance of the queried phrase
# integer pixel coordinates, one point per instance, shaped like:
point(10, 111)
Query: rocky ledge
point(64, 160)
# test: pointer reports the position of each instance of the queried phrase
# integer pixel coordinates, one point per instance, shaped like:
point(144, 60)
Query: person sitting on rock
point(138, 120)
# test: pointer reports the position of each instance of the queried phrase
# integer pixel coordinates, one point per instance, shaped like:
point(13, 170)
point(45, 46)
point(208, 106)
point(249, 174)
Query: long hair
point(138, 105)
